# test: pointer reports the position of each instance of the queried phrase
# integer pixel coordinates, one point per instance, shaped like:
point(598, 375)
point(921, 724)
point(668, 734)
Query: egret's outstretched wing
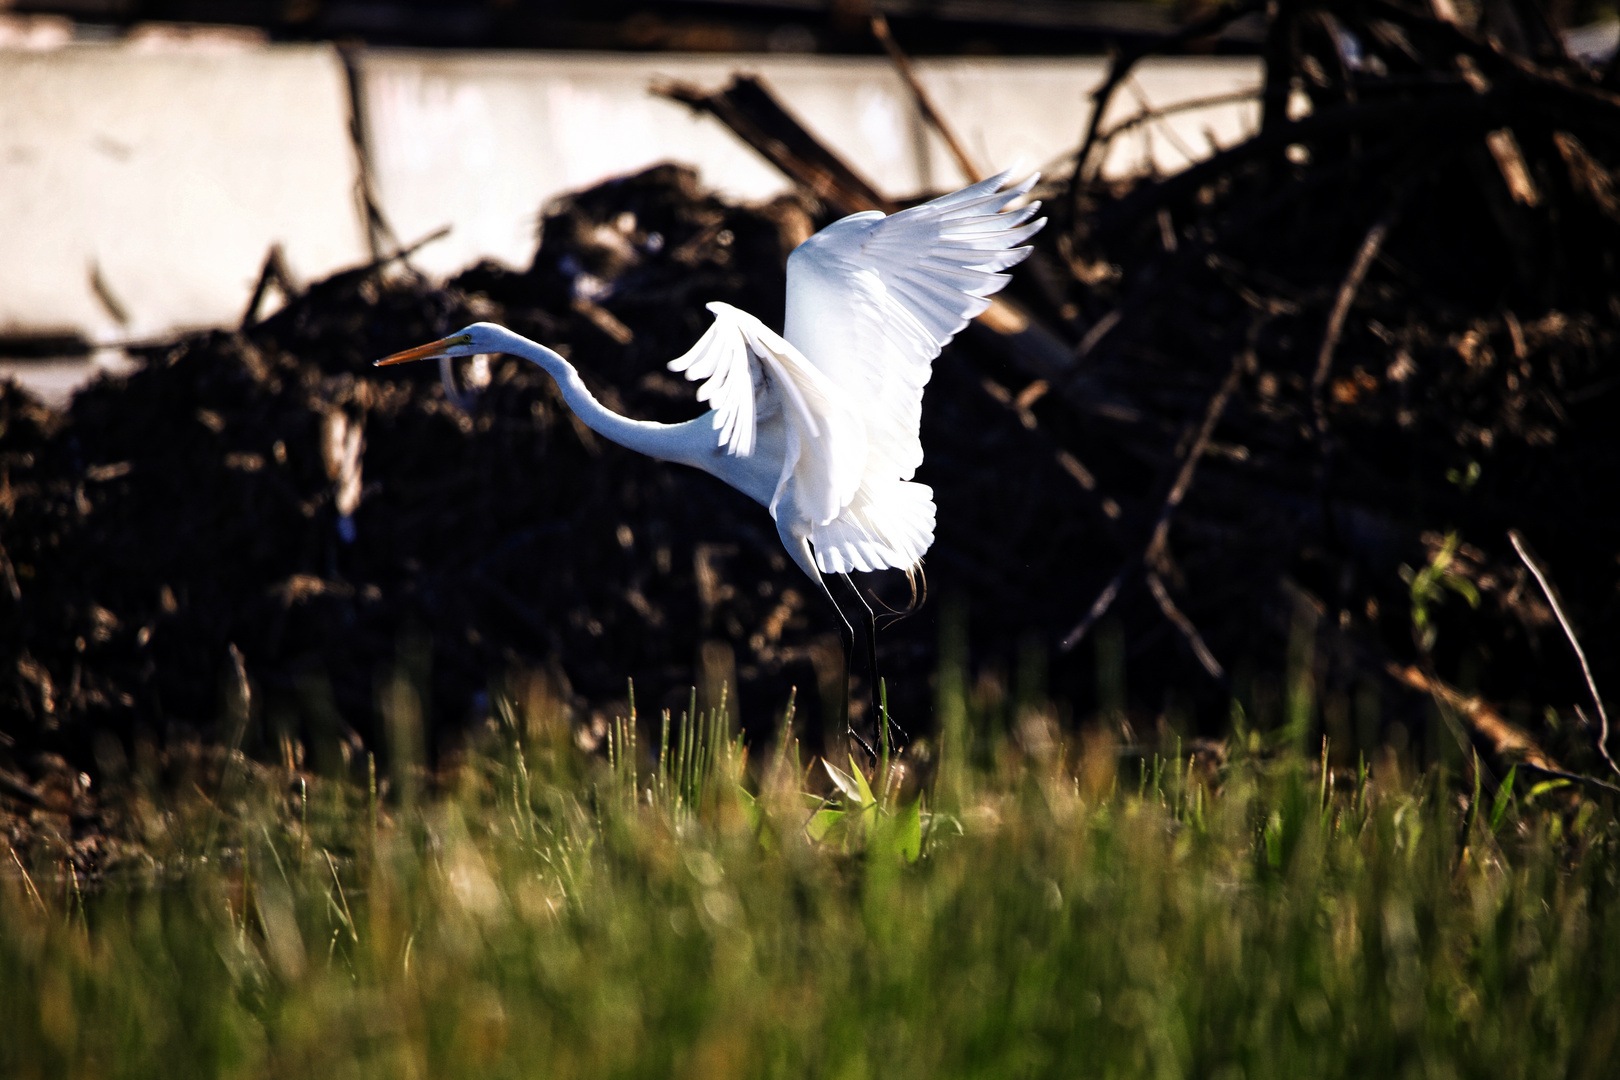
point(751, 374)
point(733, 381)
point(872, 299)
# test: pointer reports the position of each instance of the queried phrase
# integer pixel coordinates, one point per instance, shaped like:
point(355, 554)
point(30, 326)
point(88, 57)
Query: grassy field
point(1047, 910)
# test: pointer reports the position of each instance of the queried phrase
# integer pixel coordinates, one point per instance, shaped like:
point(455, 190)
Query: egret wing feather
point(731, 378)
point(750, 373)
point(872, 300)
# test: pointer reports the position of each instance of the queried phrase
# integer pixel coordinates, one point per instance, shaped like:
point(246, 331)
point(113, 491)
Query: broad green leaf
point(867, 798)
point(908, 831)
point(823, 822)
point(845, 782)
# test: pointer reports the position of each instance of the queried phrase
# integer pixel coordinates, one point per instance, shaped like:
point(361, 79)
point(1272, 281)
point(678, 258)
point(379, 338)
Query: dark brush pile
point(1454, 199)
point(1470, 388)
point(192, 506)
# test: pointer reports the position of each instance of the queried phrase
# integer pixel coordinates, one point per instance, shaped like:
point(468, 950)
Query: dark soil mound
point(1297, 370)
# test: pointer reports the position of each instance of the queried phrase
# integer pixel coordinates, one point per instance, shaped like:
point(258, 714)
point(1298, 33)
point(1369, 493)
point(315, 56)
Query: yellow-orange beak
point(424, 352)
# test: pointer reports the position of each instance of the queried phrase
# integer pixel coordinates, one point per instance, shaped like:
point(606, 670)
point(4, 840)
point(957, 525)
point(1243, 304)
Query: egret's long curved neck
point(668, 442)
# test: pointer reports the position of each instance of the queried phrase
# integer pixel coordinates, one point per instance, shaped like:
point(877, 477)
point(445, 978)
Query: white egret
point(820, 423)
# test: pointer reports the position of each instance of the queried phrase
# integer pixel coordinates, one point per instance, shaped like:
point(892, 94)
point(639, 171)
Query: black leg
point(871, 645)
point(846, 638)
point(871, 653)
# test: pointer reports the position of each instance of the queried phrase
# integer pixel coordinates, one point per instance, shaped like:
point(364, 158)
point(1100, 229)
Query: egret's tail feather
point(917, 582)
point(888, 525)
point(917, 578)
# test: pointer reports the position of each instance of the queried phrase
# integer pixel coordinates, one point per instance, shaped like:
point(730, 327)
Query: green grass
point(541, 912)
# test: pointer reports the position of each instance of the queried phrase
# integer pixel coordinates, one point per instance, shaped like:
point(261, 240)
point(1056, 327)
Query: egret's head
point(480, 337)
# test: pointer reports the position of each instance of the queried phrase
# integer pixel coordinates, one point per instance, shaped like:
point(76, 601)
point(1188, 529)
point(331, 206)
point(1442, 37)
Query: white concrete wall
point(1035, 112)
point(173, 172)
point(482, 142)
point(170, 174)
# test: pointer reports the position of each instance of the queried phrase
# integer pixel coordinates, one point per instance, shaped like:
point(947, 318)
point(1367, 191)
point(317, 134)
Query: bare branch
point(1099, 607)
point(902, 64)
point(1351, 285)
point(1179, 619)
point(1159, 113)
point(1167, 509)
point(1523, 548)
point(1209, 25)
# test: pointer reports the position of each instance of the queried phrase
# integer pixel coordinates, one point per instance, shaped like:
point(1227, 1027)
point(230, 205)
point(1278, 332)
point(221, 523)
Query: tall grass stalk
point(537, 911)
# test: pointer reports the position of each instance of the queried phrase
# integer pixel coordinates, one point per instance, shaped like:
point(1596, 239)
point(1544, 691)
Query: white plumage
point(820, 423)
point(871, 300)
